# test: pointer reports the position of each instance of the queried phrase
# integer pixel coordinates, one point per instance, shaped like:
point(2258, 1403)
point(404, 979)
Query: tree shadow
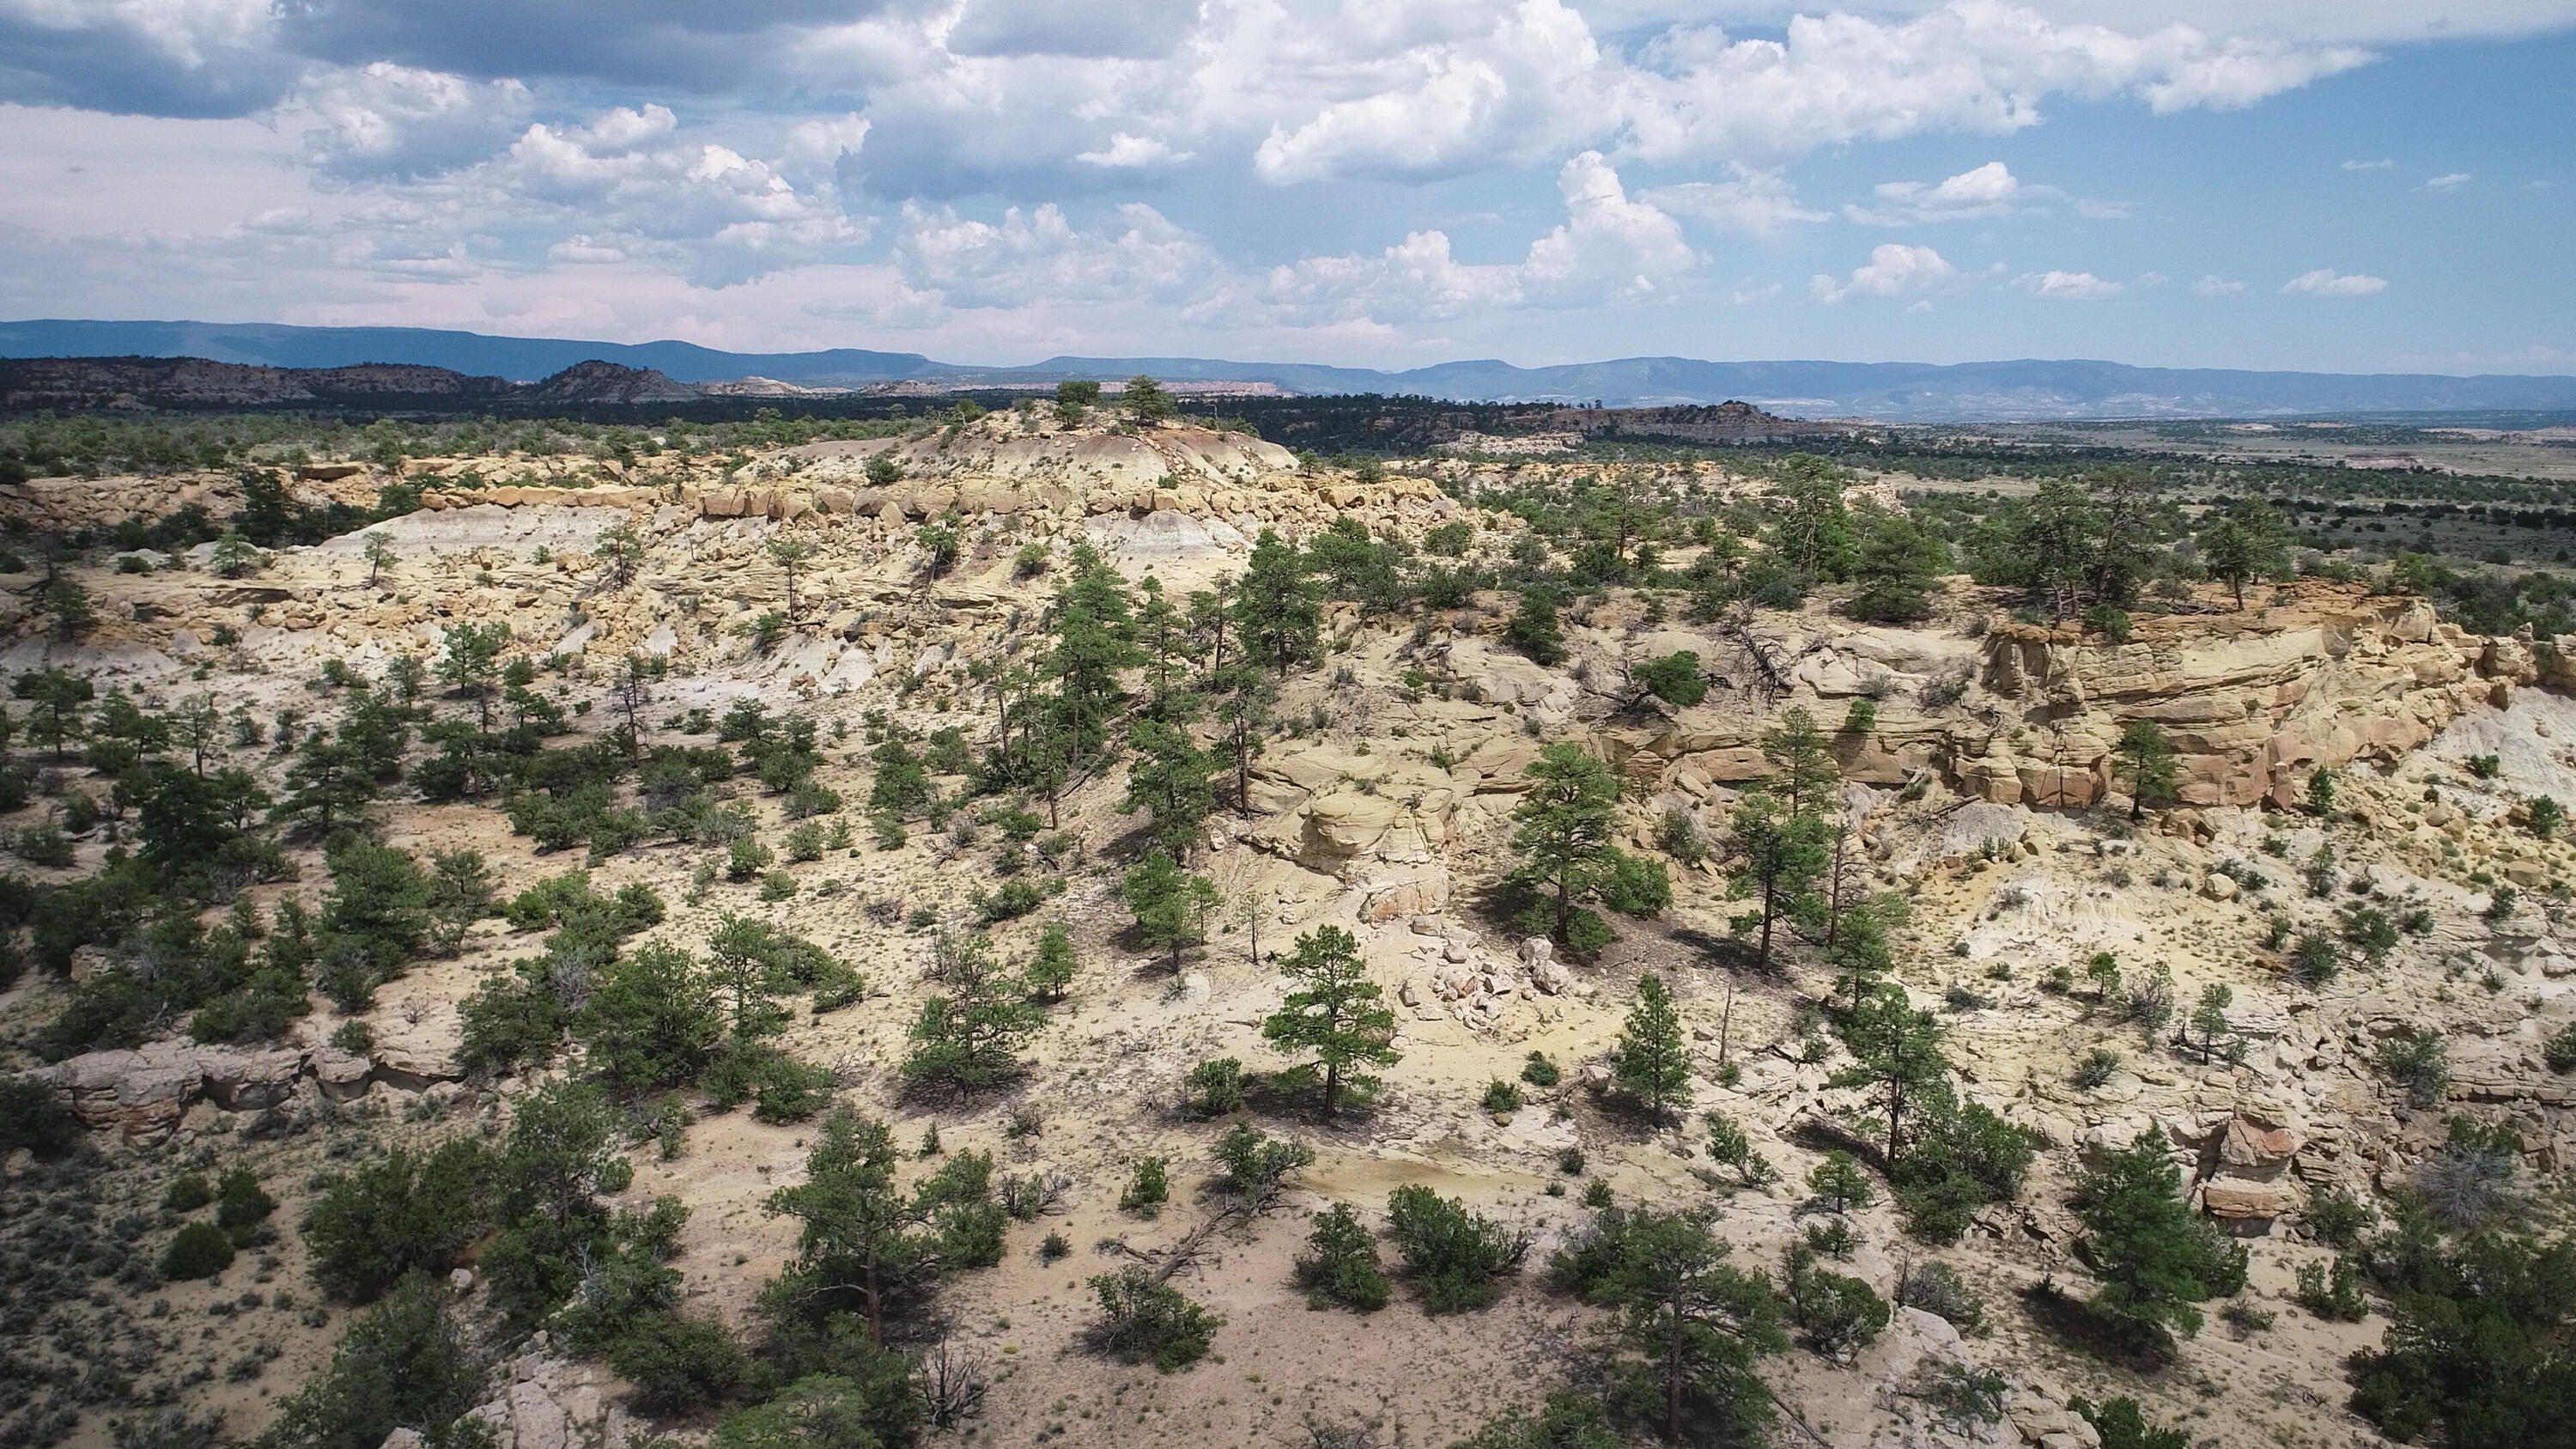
point(2074, 1322)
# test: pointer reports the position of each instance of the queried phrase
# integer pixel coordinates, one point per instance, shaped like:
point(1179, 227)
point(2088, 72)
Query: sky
point(2334, 185)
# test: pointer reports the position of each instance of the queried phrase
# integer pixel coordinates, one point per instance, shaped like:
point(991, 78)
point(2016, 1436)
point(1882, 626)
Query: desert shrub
point(2473, 1179)
point(33, 1115)
point(2096, 1068)
point(1147, 1321)
point(1340, 1263)
point(2336, 1217)
point(2121, 1424)
point(1538, 1071)
point(1934, 1288)
point(679, 1363)
point(199, 1250)
point(242, 1206)
point(1839, 1314)
point(1455, 1258)
point(187, 1192)
point(1502, 1097)
point(1148, 1188)
point(2317, 960)
point(2560, 1050)
point(1567, 1420)
point(779, 1087)
point(1213, 1088)
point(2417, 1061)
point(2332, 1295)
point(1256, 1163)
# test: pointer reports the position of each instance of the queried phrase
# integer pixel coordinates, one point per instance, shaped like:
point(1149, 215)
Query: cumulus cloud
point(1040, 256)
point(2327, 282)
point(2217, 286)
point(1893, 270)
point(1988, 190)
point(2448, 182)
point(1753, 203)
point(2068, 286)
point(391, 120)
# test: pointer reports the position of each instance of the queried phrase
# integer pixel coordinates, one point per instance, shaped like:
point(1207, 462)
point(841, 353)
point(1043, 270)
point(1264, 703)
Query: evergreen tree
point(2056, 546)
point(1896, 1052)
point(901, 783)
point(791, 555)
point(1277, 614)
point(1804, 771)
point(59, 697)
point(2245, 542)
point(860, 1233)
point(1840, 1183)
point(1333, 1016)
point(1054, 966)
point(380, 552)
point(2147, 757)
point(1689, 1327)
point(1653, 1059)
point(651, 1021)
point(1781, 854)
point(1146, 400)
point(471, 664)
point(327, 786)
point(2155, 1259)
point(1170, 780)
point(1094, 631)
point(1812, 531)
point(969, 1039)
point(2124, 500)
point(742, 967)
point(1162, 635)
point(1169, 904)
point(1900, 564)
point(631, 690)
point(460, 893)
point(1534, 629)
point(1561, 829)
point(2209, 1018)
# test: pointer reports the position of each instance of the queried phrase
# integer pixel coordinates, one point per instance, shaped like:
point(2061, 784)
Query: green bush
point(2560, 1049)
point(1839, 1313)
point(1213, 1088)
point(1538, 1071)
point(188, 1192)
point(1455, 1258)
point(1340, 1264)
point(678, 1363)
point(2123, 1425)
point(200, 1250)
point(1148, 1189)
point(1256, 1163)
point(2332, 1295)
point(401, 1363)
point(416, 1211)
point(242, 1206)
point(1674, 679)
point(1143, 1320)
point(1502, 1097)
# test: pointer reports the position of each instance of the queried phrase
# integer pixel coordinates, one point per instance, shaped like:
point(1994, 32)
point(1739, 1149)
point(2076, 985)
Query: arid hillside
point(1056, 928)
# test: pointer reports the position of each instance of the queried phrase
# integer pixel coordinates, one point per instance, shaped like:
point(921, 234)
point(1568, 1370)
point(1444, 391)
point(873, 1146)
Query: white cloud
point(1610, 248)
point(2450, 181)
point(2217, 286)
point(1988, 190)
point(1754, 203)
point(1893, 269)
point(2068, 286)
point(2092, 210)
point(2327, 282)
point(1039, 255)
point(2381, 164)
point(392, 120)
point(1124, 150)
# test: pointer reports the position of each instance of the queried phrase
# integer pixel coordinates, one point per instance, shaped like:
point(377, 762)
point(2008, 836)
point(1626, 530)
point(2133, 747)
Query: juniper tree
point(1534, 629)
point(1899, 566)
point(1052, 969)
point(1334, 1016)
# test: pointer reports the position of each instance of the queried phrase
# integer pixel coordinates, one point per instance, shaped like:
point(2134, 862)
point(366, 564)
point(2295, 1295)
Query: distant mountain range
point(2028, 390)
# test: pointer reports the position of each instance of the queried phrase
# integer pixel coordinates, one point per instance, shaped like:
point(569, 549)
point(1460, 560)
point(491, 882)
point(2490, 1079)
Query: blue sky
point(2371, 185)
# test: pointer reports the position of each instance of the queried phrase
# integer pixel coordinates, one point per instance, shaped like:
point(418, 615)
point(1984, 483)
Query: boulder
point(2255, 1153)
point(1418, 894)
point(1341, 828)
point(251, 1081)
point(341, 1075)
point(2246, 1207)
